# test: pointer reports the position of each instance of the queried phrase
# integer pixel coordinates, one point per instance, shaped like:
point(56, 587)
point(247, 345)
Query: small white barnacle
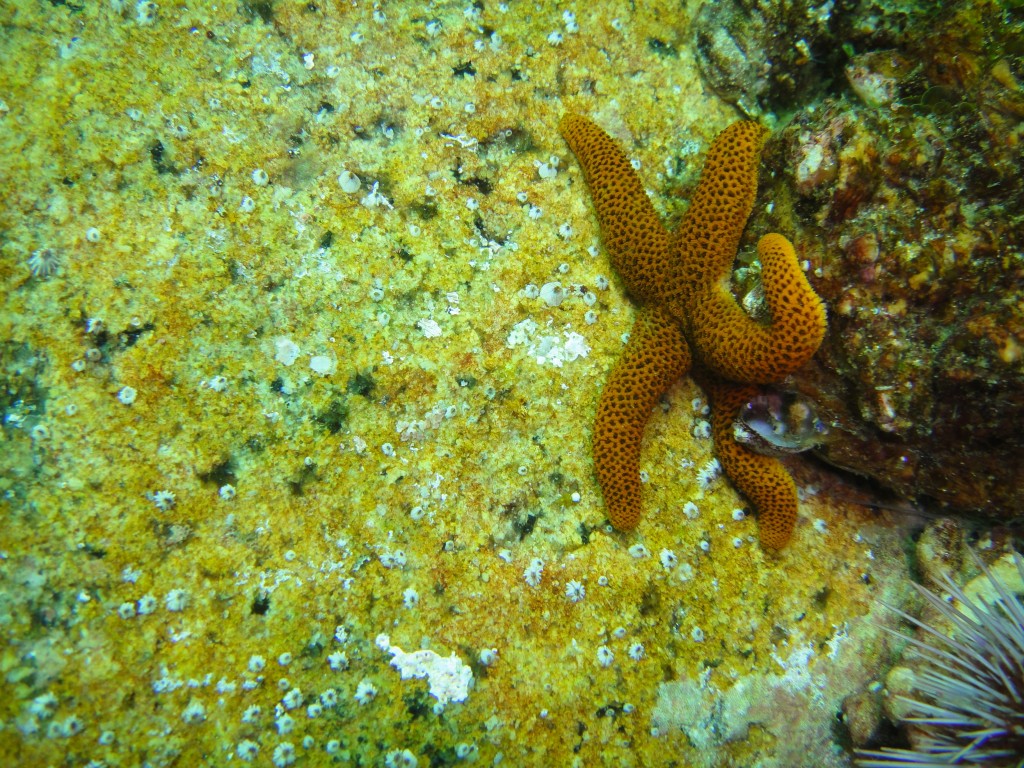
point(176, 600)
point(338, 661)
point(162, 500)
point(639, 551)
point(284, 754)
point(534, 571)
point(575, 591)
point(348, 182)
point(702, 429)
point(146, 12)
point(707, 474)
point(194, 713)
point(44, 262)
point(400, 758)
point(394, 559)
point(247, 750)
point(43, 706)
point(284, 723)
point(147, 604)
point(552, 294)
point(72, 725)
point(465, 751)
point(365, 692)
point(292, 699)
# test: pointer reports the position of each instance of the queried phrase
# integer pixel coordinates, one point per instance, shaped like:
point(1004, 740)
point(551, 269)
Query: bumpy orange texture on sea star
point(761, 479)
point(630, 229)
point(655, 356)
point(688, 315)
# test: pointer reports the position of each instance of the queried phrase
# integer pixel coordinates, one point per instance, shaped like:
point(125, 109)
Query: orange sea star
point(688, 317)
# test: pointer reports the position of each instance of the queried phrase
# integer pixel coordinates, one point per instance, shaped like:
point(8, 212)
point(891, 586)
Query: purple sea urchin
point(970, 708)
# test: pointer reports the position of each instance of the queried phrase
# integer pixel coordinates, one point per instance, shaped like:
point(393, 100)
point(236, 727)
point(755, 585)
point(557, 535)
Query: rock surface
point(903, 196)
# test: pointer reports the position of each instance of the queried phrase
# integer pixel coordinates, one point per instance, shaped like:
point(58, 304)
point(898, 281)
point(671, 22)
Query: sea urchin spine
point(970, 704)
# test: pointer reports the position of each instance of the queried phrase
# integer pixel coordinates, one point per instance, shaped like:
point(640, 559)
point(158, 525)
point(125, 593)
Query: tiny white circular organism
point(552, 294)
point(322, 364)
point(348, 182)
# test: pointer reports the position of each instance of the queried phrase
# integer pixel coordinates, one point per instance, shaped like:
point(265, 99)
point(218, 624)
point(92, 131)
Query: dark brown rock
point(862, 713)
point(905, 196)
point(766, 56)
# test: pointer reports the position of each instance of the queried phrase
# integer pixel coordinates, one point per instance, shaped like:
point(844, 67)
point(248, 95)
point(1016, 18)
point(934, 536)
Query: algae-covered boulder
point(765, 56)
point(903, 194)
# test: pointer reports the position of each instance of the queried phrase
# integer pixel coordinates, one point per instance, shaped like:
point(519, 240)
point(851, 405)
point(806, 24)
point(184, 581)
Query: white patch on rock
point(287, 350)
point(448, 677)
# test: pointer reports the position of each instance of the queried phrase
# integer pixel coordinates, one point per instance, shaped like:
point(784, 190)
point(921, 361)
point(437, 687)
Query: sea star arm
point(655, 356)
point(738, 348)
point(762, 479)
point(705, 242)
point(703, 248)
point(630, 229)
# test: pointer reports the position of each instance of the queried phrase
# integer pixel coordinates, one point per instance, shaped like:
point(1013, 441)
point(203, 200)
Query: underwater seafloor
point(289, 396)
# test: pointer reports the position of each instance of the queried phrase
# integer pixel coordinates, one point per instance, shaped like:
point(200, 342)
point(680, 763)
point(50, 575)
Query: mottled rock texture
point(903, 193)
point(765, 56)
